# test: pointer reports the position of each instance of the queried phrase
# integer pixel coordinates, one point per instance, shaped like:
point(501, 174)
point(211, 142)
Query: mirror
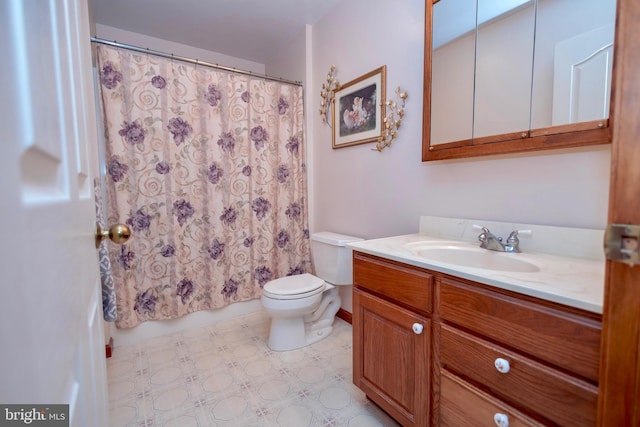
point(504, 76)
point(504, 60)
point(453, 67)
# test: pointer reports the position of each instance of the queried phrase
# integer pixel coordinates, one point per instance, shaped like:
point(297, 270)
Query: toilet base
point(292, 329)
point(293, 333)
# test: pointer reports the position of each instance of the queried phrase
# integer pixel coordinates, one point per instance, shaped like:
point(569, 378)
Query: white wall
point(361, 192)
point(153, 43)
point(289, 62)
point(369, 194)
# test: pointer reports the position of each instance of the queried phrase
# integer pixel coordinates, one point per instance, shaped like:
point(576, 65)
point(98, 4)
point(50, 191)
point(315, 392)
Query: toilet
point(302, 307)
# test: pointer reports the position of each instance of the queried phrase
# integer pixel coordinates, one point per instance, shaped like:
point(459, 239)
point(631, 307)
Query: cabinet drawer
point(560, 398)
point(462, 405)
point(412, 287)
point(563, 339)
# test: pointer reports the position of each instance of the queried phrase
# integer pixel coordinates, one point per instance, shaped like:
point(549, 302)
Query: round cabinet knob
point(417, 328)
point(118, 233)
point(501, 420)
point(502, 365)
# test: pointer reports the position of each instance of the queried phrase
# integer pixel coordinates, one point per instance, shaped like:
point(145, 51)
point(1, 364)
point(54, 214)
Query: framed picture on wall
point(359, 109)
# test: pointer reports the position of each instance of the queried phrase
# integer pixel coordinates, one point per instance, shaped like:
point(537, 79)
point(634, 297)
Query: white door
point(52, 344)
point(582, 77)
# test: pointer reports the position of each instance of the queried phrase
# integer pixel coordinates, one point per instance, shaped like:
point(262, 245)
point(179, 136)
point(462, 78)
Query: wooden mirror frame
point(563, 136)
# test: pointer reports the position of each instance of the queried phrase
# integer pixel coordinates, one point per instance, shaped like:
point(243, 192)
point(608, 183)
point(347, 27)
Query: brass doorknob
point(118, 233)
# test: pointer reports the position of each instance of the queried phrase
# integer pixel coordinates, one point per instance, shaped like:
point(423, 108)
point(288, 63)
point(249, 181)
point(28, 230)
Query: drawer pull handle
point(502, 365)
point(417, 328)
point(501, 420)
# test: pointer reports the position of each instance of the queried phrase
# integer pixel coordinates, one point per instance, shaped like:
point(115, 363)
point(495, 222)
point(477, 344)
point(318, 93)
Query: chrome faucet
point(493, 243)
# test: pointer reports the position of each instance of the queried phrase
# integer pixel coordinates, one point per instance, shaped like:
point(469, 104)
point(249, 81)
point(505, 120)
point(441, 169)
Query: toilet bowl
point(303, 307)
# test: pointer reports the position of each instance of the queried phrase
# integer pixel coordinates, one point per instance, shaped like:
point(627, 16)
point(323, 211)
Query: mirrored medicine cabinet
point(506, 76)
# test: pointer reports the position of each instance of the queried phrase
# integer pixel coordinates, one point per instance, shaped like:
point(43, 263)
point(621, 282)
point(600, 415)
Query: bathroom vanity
point(439, 343)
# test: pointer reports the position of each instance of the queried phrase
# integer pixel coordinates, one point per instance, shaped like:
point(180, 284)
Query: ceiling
point(247, 29)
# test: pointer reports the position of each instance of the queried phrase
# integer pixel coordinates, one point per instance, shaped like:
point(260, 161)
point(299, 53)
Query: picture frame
point(358, 110)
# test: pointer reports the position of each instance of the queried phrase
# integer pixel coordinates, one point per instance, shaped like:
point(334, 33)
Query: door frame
point(619, 397)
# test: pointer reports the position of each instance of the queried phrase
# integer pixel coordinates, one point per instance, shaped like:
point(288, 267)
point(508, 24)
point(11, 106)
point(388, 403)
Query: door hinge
point(621, 243)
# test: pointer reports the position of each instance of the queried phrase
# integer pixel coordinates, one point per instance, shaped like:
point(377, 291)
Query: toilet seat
point(294, 287)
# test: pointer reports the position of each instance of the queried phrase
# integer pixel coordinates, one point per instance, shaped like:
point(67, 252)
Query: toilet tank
point(331, 259)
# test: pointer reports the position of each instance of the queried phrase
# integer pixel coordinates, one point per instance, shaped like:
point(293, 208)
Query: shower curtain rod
point(193, 61)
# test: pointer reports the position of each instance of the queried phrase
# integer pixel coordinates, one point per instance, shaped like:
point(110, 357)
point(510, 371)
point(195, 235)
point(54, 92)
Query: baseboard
point(109, 348)
point(344, 315)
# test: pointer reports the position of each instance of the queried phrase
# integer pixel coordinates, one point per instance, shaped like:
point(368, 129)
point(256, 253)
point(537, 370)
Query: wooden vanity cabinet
point(463, 405)
point(392, 337)
point(482, 352)
point(538, 357)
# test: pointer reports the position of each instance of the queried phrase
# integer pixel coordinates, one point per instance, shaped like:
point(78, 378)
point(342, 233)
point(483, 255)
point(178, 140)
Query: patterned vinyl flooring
point(225, 375)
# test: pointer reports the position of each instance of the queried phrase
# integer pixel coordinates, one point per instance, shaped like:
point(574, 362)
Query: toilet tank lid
point(334, 238)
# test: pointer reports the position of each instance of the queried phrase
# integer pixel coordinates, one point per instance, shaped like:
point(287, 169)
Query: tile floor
point(225, 375)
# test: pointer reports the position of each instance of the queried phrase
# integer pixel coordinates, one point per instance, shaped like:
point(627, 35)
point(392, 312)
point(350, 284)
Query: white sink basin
point(465, 255)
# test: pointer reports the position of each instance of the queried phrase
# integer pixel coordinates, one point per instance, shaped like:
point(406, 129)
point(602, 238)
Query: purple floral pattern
point(292, 145)
point(162, 168)
point(203, 188)
point(139, 221)
point(294, 211)
point(230, 289)
point(259, 137)
point(215, 173)
point(184, 289)
point(283, 174)
point(146, 302)
point(227, 142)
point(116, 170)
point(294, 271)
point(261, 207)
point(182, 210)
point(229, 216)
point(110, 77)
point(132, 132)
point(283, 106)
point(158, 82)
point(168, 251)
point(216, 249)
point(213, 95)
point(283, 239)
point(180, 129)
point(262, 275)
point(126, 257)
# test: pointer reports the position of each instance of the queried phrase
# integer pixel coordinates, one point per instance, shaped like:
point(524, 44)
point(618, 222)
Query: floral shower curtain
point(208, 169)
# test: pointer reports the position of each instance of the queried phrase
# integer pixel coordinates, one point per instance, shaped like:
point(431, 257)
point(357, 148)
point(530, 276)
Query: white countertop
point(576, 282)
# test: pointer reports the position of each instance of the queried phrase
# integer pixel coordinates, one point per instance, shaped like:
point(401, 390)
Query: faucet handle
point(513, 237)
point(513, 243)
point(485, 231)
point(487, 237)
point(515, 233)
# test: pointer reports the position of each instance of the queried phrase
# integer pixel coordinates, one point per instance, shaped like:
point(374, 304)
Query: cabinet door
point(391, 357)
